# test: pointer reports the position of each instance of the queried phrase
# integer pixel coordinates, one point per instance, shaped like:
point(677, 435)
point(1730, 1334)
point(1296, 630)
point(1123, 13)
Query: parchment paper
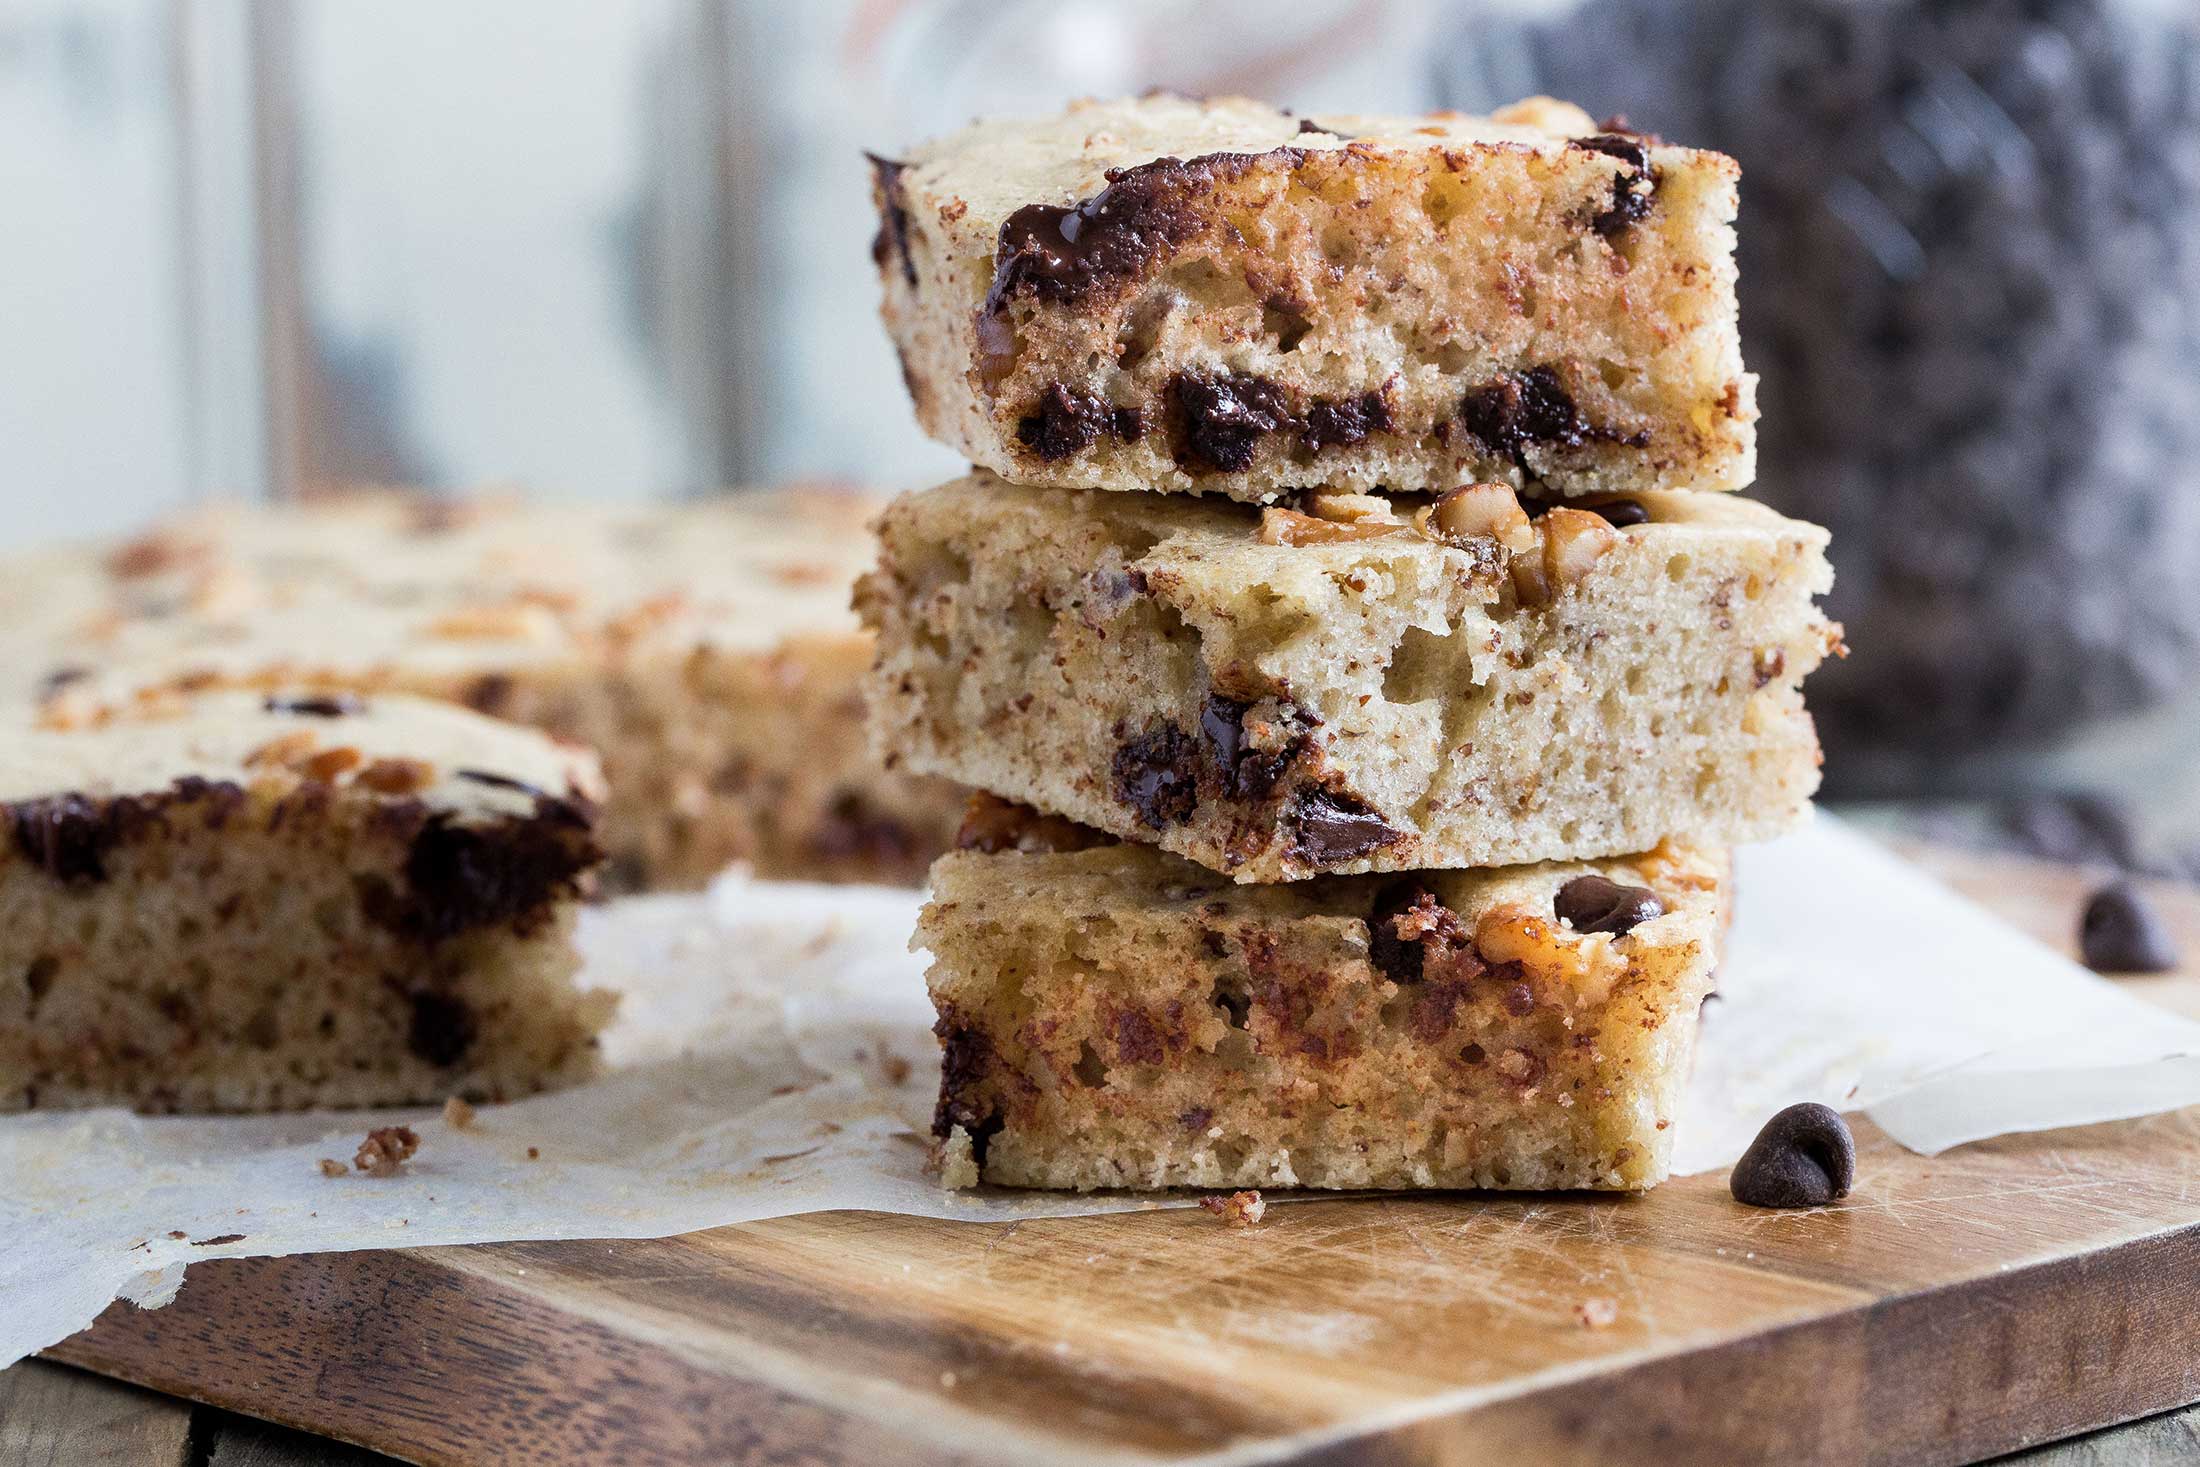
point(773, 1055)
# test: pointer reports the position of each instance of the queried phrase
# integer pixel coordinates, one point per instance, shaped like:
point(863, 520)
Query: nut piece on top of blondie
point(1218, 297)
point(1116, 1017)
point(238, 902)
point(1364, 684)
point(705, 650)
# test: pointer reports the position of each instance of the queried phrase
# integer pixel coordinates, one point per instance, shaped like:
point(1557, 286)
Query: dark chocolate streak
point(70, 836)
point(893, 217)
point(1062, 252)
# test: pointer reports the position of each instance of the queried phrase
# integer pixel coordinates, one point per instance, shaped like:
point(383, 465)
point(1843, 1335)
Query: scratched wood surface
point(1999, 1296)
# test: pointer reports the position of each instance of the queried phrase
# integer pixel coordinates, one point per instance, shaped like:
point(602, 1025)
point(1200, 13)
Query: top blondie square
point(1219, 297)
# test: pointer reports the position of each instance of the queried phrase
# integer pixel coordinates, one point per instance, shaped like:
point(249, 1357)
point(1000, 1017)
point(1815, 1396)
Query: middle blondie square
point(1356, 684)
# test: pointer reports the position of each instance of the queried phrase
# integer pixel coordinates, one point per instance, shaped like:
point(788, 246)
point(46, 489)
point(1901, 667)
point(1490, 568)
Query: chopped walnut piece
point(330, 763)
point(1478, 511)
point(1547, 113)
point(397, 776)
point(1573, 540)
point(284, 750)
point(518, 620)
point(1289, 527)
point(1352, 509)
point(386, 1149)
point(151, 554)
point(331, 1167)
point(992, 825)
point(1238, 1210)
point(1597, 1313)
point(457, 1114)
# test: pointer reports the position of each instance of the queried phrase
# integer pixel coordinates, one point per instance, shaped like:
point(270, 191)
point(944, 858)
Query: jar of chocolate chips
point(1970, 255)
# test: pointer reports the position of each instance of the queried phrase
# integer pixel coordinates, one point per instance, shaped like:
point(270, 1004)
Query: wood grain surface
point(2004, 1294)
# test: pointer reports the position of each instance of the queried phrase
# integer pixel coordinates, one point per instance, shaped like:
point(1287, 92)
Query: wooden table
point(1994, 1297)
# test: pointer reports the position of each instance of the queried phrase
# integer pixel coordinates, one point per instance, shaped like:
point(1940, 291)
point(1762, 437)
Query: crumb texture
point(217, 904)
point(1354, 696)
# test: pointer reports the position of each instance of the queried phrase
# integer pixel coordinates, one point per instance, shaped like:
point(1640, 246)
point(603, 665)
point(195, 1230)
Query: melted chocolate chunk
point(1346, 422)
point(1596, 904)
point(1329, 827)
point(1620, 513)
point(66, 836)
point(893, 217)
point(1522, 409)
point(1630, 203)
point(321, 705)
point(966, 1062)
point(1242, 772)
point(1804, 1157)
point(1059, 253)
point(1399, 959)
point(443, 1028)
point(1224, 419)
point(1157, 774)
point(460, 878)
point(1064, 424)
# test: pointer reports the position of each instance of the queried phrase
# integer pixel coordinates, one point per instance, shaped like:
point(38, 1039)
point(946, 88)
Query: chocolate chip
point(1595, 904)
point(1329, 827)
point(1620, 513)
point(490, 693)
point(61, 677)
point(893, 215)
point(460, 878)
point(1224, 418)
point(1397, 958)
point(1064, 424)
point(1060, 253)
point(443, 1028)
point(1347, 421)
point(1630, 203)
point(1156, 774)
point(503, 782)
point(2122, 933)
point(967, 1061)
point(1242, 772)
point(1522, 409)
point(66, 836)
point(322, 705)
point(1804, 1157)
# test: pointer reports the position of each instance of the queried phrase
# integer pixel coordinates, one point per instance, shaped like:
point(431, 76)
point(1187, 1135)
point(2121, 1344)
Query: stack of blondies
point(1364, 676)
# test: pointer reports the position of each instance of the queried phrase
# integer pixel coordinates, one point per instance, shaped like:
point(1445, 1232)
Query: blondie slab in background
point(1219, 297)
point(1276, 695)
point(706, 650)
point(236, 903)
point(1120, 1018)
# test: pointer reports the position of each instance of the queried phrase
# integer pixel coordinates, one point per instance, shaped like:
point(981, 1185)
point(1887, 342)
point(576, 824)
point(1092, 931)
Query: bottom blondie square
point(1119, 1017)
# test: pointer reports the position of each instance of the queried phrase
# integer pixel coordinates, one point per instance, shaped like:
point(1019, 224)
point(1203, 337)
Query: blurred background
point(622, 251)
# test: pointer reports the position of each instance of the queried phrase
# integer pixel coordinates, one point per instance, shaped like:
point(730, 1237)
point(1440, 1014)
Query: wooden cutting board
point(2005, 1293)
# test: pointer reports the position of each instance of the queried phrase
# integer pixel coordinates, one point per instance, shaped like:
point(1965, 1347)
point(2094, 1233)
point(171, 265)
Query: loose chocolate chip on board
point(2121, 932)
point(1804, 1157)
point(1597, 904)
